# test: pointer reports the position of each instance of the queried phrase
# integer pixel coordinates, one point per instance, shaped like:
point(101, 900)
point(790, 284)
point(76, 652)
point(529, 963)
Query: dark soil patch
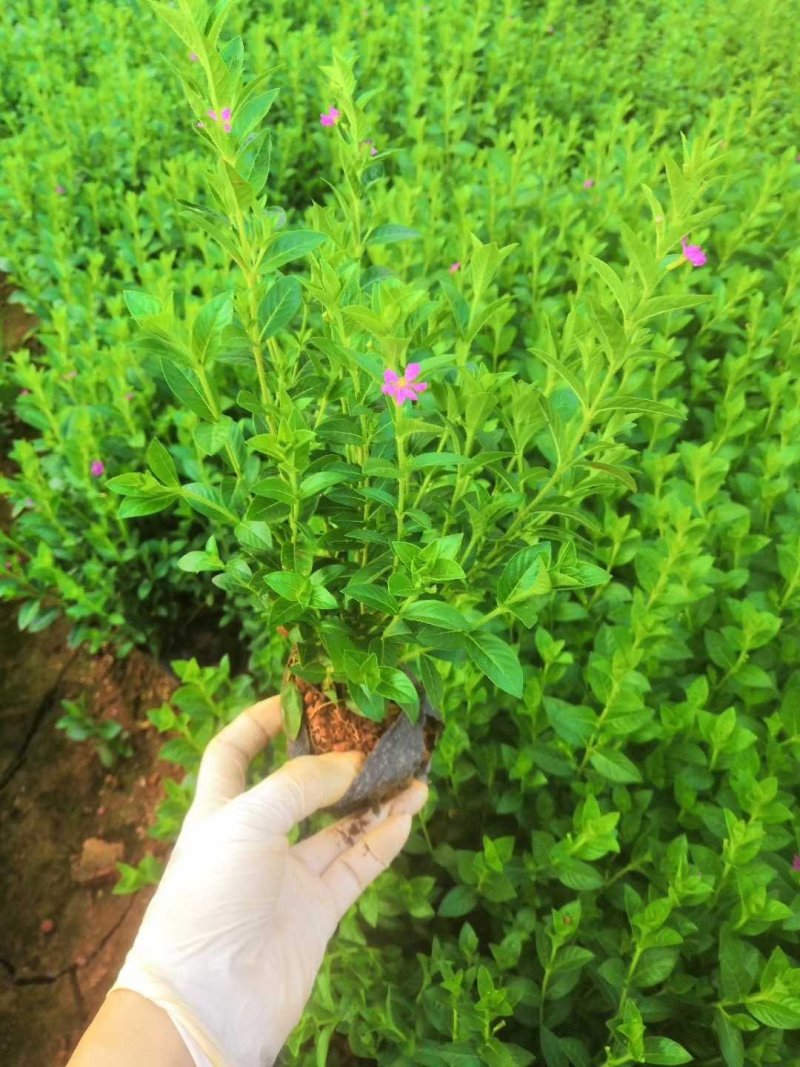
point(62, 942)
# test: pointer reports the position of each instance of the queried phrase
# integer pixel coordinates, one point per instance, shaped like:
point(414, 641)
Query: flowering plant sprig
point(353, 468)
point(377, 492)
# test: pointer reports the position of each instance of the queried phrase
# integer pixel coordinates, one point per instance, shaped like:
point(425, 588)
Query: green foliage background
point(603, 873)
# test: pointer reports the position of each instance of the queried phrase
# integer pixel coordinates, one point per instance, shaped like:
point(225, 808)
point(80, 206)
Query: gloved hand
point(232, 941)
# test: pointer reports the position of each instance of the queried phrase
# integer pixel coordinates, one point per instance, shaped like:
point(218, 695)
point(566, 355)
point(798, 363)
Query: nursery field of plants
point(436, 367)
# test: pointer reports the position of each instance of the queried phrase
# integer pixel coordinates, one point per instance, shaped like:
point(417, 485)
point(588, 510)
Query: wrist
point(130, 1030)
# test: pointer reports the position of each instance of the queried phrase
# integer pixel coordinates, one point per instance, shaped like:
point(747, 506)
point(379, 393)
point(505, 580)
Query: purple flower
point(405, 388)
point(330, 118)
point(589, 183)
point(694, 254)
point(194, 57)
point(97, 468)
point(796, 863)
point(373, 151)
point(60, 190)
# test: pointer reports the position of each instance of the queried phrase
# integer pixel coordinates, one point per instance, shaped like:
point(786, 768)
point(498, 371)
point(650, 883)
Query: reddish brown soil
point(334, 728)
point(16, 325)
point(62, 943)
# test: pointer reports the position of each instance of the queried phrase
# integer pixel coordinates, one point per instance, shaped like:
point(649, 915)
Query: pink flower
point(97, 468)
point(589, 183)
point(405, 388)
point(454, 268)
point(60, 190)
point(194, 57)
point(225, 118)
point(330, 118)
point(694, 254)
point(373, 151)
point(796, 863)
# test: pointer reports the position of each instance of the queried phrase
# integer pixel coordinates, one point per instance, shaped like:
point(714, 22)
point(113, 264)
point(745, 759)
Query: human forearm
point(129, 1031)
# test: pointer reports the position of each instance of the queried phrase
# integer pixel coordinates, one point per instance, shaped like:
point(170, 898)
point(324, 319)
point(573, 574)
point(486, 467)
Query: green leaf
point(291, 709)
point(571, 958)
point(644, 263)
point(274, 489)
point(135, 507)
point(254, 535)
point(28, 613)
point(426, 460)
point(212, 223)
point(578, 875)
point(161, 464)
point(731, 1043)
point(436, 613)
point(613, 281)
point(397, 686)
point(638, 406)
point(317, 483)
point(620, 473)
point(181, 25)
point(287, 584)
point(654, 966)
point(217, 314)
point(445, 570)
point(195, 562)
point(457, 902)
point(497, 660)
point(526, 574)
point(289, 246)
point(663, 1050)
point(562, 371)
point(431, 680)
point(615, 767)
point(391, 233)
point(187, 387)
point(574, 723)
point(661, 305)
point(133, 485)
point(140, 304)
point(373, 597)
point(781, 1013)
point(211, 437)
point(279, 306)
point(208, 501)
point(322, 599)
point(719, 649)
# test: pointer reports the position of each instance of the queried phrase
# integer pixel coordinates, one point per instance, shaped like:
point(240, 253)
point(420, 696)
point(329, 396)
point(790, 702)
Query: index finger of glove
point(223, 768)
point(349, 875)
point(298, 789)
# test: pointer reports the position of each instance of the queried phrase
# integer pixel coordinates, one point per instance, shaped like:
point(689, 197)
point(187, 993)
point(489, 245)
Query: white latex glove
point(232, 941)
